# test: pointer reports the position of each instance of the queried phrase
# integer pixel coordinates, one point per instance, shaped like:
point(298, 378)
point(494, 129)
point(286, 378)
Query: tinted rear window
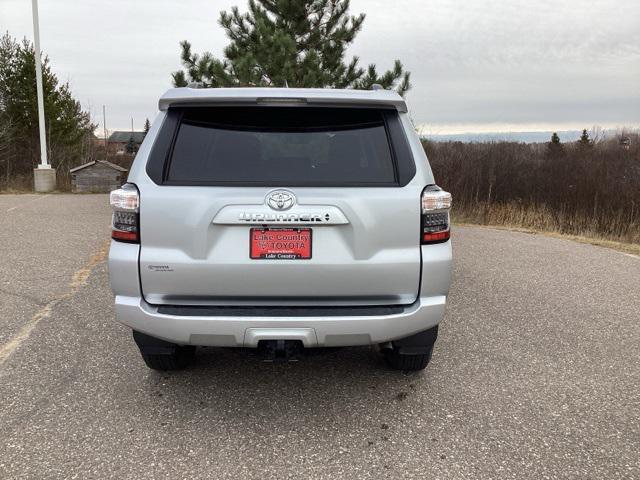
point(281, 145)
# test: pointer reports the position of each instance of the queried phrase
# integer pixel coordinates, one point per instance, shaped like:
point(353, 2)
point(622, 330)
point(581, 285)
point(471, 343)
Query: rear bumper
point(247, 331)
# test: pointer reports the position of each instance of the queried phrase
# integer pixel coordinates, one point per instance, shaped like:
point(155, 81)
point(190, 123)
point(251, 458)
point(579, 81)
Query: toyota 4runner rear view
point(281, 219)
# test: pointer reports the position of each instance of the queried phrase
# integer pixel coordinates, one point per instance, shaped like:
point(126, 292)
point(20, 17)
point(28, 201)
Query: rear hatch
point(280, 205)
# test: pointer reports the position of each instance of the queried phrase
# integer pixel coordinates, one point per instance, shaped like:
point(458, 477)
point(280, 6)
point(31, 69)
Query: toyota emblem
point(281, 200)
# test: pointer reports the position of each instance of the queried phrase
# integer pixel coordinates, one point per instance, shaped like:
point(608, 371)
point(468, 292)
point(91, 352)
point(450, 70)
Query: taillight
point(436, 204)
point(125, 224)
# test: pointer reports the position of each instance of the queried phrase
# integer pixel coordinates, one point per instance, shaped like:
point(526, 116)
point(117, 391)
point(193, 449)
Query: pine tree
point(585, 140)
point(280, 43)
point(147, 126)
point(555, 147)
point(131, 146)
point(69, 128)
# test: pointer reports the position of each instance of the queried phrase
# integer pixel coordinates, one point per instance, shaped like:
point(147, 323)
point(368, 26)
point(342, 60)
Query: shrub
point(591, 191)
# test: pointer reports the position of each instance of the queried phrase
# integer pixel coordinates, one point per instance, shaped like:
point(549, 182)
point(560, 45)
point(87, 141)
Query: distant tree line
point(584, 187)
point(69, 128)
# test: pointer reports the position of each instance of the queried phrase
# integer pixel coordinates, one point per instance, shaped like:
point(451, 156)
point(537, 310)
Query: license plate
point(280, 243)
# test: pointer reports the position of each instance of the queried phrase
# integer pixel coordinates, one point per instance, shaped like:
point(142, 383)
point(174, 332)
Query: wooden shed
point(98, 176)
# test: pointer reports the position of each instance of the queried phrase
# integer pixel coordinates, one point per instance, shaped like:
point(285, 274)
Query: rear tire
point(411, 353)
point(162, 355)
point(407, 363)
point(181, 358)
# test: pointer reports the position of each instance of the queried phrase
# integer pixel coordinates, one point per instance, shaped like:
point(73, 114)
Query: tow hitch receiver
point(280, 351)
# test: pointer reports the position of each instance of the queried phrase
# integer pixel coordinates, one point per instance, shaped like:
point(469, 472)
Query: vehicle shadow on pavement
point(321, 384)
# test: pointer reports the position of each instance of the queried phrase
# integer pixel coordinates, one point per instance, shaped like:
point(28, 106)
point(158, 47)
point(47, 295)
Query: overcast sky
point(477, 65)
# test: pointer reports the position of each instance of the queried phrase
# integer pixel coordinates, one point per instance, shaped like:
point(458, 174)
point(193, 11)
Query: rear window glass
point(281, 145)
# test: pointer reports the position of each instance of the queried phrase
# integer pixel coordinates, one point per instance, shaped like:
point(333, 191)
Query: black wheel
point(180, 358)
point(407, 362)
point(162, 355)
point(411, 353)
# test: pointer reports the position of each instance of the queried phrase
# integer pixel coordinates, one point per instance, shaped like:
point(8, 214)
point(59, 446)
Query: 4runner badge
point(280, 200)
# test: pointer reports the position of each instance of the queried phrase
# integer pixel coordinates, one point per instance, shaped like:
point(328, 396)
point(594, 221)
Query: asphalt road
point(536, 373)
point(44, 240)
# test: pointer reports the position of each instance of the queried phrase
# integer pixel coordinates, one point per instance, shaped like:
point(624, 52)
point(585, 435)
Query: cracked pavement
point(535, 374)
point(44, 240)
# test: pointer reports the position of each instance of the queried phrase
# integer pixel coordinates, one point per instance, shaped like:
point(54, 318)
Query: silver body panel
point(195, 250)
point(132, 310)
point(372, 259)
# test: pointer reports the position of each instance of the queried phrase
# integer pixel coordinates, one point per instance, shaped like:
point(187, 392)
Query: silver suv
point(281, 219)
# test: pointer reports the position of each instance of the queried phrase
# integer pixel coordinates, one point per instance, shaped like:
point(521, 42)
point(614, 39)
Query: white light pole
point(44, 176)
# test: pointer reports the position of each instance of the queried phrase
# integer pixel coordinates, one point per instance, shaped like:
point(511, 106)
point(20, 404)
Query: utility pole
point(44, 176)
point(104, 129)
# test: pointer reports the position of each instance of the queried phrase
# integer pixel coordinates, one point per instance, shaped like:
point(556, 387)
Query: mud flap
point(420, 343)
point(149, 345)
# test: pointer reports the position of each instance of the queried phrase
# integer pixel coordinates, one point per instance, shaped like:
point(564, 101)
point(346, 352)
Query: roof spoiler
point(377, 97)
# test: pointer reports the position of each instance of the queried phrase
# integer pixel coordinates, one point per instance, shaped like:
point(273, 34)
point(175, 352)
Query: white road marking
point(78, 279)
point(40, 197)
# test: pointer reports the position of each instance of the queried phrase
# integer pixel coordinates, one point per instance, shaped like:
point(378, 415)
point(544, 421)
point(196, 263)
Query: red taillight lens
point(436, 237)
point(125, 236)
point(125, 224)
point(436, 204)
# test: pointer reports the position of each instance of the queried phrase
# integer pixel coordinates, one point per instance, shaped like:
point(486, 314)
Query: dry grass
point(586, 191)
point(17, 184)
point(541, 220)
point(24, 184)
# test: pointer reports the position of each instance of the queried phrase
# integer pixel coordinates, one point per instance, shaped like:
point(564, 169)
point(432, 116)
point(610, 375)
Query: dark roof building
point(119, 140)
point(122, 136)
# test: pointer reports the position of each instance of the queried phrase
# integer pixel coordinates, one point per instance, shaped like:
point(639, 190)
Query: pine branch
point(303, 42)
